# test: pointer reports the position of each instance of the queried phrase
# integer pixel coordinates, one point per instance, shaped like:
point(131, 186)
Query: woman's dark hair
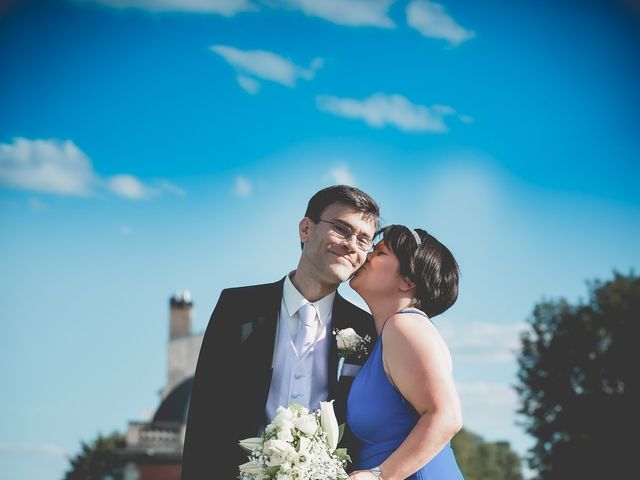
point(430, 266)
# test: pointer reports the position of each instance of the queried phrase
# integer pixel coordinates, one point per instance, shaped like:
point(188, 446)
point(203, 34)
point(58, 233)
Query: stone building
point(154, 448)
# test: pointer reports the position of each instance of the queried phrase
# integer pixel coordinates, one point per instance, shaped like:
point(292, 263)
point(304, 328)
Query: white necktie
point(306, 328)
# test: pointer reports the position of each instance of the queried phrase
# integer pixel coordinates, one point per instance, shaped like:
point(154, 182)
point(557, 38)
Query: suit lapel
point(336, 323)
point(339, 321)
point(261, 343)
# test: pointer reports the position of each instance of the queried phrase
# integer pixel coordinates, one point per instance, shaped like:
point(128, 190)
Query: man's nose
point(352, 243)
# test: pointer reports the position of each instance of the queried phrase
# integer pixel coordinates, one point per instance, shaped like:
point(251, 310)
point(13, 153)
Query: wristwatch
point(377, 472)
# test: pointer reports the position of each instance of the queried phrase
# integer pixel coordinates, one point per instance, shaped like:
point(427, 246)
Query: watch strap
point(377, 472)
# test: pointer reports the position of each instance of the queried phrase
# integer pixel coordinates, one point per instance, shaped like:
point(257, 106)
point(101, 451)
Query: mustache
point(346, 255)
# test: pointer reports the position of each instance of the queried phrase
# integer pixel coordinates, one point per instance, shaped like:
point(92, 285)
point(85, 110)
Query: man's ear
point(304, 229)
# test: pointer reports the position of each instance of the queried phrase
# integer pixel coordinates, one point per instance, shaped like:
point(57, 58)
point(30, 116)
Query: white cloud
point(481, 342)
point(248, 84)
point(353, 13)
point(431, 20)
point(342, 175)
point(487, 396)
point(47, 166)
point(252, 64)
point(167, 186)
point(242, 187)
point(381, 109)
point(490, 409)
point(48, 449)
point(61, 168)
point(129, 186)
point(465, 118)
point(222, 7)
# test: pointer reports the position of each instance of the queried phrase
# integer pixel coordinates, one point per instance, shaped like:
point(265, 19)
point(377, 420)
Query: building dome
point(175, 406)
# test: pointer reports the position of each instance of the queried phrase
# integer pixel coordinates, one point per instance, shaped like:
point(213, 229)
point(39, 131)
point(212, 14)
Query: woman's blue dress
point(381, 418)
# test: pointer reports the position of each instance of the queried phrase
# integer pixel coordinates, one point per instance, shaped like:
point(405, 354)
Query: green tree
point(575, 374)
point(482, 460)
point(98, 460)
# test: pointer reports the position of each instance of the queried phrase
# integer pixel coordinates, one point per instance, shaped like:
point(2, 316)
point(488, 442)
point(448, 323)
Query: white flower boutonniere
point(351, 346)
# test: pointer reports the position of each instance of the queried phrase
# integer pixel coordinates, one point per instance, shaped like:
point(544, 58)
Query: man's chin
point(343, 274)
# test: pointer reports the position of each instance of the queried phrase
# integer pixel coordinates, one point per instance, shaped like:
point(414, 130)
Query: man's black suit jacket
point(233, 376)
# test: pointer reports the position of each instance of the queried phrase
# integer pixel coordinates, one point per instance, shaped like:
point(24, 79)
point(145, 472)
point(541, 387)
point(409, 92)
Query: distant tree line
point(98, 460)
point(482, 460)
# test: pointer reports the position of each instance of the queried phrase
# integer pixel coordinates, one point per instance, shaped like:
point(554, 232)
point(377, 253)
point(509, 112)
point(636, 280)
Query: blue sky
point(147, 149)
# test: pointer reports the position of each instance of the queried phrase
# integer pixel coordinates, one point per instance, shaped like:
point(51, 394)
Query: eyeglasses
point(345, 232)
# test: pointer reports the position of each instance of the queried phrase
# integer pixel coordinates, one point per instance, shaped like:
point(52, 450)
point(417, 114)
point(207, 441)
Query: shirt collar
point(293, 300)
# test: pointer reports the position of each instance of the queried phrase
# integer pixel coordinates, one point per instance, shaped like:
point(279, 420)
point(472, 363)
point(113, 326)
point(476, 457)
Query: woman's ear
point(407, 285)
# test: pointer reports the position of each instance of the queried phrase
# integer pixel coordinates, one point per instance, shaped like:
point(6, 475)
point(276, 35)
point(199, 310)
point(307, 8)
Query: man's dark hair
point(430, 265)
point(344, 194)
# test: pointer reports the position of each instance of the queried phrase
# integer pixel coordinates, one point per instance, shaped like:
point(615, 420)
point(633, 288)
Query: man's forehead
point(340, 209)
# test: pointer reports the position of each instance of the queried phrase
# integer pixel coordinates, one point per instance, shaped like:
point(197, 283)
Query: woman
point(403, 404)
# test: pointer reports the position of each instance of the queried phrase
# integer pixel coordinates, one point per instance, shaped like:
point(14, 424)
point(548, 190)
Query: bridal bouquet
point(297, 445)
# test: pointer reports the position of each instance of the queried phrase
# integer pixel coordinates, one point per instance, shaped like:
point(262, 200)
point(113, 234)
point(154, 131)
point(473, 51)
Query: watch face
point(376, 471)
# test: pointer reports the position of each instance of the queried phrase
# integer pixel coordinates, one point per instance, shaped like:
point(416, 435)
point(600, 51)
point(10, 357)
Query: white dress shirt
point(304, 379)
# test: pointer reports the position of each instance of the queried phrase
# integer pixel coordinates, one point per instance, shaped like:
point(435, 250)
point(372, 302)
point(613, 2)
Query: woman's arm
point(419, 365)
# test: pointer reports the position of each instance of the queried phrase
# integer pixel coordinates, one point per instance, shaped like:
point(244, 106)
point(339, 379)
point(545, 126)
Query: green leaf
point(340, 431)
point(342, 454)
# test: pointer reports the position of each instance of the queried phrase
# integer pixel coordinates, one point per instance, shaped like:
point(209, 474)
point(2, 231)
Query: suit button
point(298, 376)
point(295, 395)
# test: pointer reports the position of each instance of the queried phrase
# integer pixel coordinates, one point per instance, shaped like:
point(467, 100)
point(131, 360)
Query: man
point(268, 345)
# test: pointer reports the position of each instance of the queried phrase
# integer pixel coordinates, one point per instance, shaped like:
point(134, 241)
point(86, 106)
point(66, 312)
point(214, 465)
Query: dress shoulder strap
point(406, 310)
point(414, 310)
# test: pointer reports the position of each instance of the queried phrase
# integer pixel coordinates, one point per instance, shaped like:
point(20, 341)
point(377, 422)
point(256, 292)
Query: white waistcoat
point(300, 380)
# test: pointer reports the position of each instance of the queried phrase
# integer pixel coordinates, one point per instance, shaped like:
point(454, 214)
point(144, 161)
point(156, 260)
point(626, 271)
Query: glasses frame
point(348, 233)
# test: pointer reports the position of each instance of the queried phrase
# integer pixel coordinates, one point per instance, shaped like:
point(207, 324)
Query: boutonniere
point(351, 346)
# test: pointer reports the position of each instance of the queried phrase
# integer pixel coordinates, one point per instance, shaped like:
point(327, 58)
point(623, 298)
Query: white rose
point(348, 339)
point(285, 435)
point(329, 424)
point(307, 424)
point(283, 425)
point(278, 451)
point(284, 414)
